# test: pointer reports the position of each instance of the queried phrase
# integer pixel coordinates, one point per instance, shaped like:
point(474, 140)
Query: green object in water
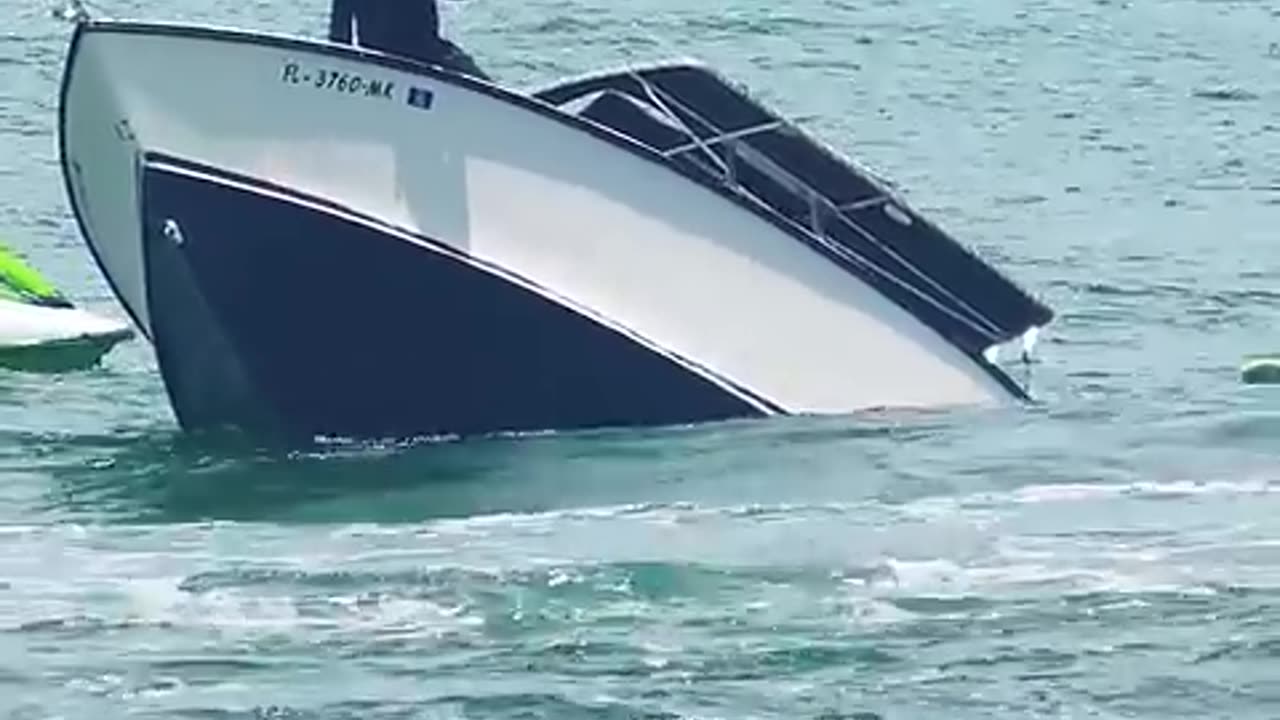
point(1261, 370)
point(21, 282)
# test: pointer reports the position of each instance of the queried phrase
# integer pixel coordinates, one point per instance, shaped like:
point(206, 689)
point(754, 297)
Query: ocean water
point(1112, 551)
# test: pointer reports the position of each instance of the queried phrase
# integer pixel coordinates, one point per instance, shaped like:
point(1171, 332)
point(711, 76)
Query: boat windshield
point(20, 282)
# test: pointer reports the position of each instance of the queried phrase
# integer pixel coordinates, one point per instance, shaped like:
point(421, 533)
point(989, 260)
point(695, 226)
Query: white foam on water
point(162, 601)
point(863, 611)
point(984, 504)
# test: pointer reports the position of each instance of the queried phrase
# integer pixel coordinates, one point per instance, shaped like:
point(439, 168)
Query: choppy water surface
point(1111, 552)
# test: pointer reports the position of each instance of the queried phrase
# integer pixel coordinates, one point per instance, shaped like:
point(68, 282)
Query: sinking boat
point(323, 240)
point(41, 330)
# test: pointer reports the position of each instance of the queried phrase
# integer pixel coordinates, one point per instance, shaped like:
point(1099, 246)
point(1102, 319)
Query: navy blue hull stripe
point(264, 332)
point(161, 161)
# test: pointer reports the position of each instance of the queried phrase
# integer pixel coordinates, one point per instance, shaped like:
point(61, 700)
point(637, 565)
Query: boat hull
point(252, 319)
point(475, 259)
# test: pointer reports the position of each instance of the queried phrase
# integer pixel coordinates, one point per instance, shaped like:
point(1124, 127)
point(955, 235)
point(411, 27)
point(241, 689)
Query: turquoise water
point(1111, 552)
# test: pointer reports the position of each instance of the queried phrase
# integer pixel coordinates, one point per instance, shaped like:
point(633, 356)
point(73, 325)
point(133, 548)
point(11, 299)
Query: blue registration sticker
point(420, 98)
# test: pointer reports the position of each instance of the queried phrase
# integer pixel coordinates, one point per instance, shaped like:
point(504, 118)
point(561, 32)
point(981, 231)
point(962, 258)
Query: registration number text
point(338, 81)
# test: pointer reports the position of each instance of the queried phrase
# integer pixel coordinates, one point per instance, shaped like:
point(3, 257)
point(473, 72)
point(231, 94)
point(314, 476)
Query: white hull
point(24, 325)
point(518, 194)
